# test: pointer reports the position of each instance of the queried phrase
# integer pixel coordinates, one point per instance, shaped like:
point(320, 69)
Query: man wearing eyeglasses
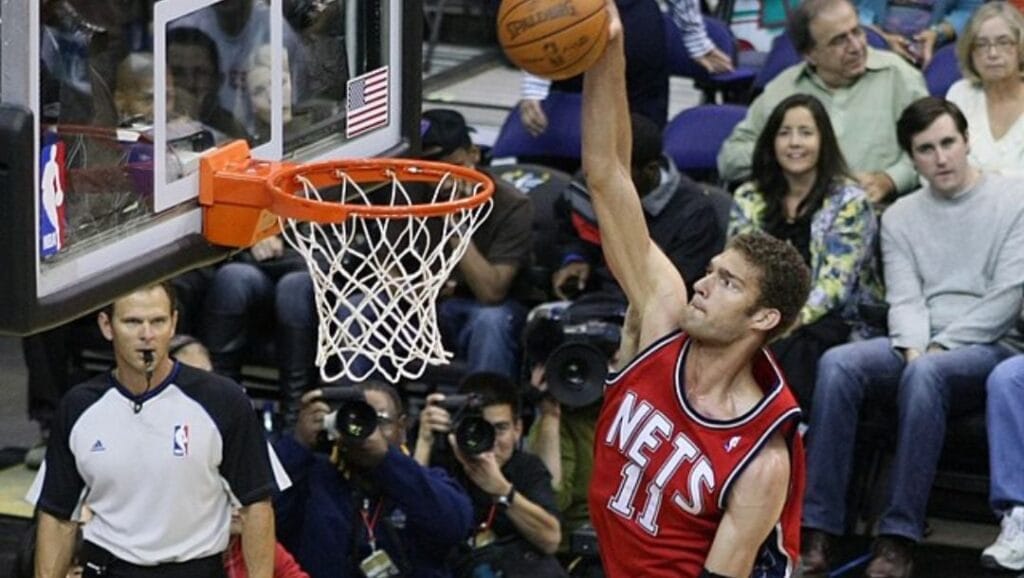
point(863, 89)
point(367, 508)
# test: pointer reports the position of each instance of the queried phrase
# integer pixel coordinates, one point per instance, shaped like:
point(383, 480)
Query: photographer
point(677, 211)
point(367, 505)
point(563, 438)
point(511, 489)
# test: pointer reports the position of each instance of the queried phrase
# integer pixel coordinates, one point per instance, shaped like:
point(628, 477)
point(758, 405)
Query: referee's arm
point(55, 545)
point(258, 538)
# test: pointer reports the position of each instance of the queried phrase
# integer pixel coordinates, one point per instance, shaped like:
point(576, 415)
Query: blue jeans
point(1005, 421)
point(926, 392)
point(486, 336)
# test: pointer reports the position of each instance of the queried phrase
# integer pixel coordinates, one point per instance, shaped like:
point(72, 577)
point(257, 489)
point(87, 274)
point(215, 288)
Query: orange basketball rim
point(243, 198)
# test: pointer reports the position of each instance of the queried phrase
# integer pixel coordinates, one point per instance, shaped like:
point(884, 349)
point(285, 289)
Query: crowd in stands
point(908, 210)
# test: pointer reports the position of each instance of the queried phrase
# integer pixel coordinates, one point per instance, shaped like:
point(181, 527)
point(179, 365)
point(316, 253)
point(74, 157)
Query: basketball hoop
point(380, 238)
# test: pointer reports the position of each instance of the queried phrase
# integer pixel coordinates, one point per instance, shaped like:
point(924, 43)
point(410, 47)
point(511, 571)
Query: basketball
point(556, 39)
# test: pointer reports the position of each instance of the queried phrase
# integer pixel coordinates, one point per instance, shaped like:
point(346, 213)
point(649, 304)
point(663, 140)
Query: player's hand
point(433, 419)
point(311, 418)
point(482, 470)
point(614, 21)
point(878, 186)
point(715, 62)
point(531, 113)
point(571, 279)
point(269, 248)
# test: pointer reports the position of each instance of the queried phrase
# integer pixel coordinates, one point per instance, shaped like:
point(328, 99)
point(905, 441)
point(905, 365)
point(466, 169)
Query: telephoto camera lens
point(473, 434)
point(353, 418)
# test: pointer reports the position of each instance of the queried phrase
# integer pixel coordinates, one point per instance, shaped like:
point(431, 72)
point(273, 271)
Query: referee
point(159, 451)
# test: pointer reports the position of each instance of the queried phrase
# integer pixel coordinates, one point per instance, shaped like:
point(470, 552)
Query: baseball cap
point(443, 131)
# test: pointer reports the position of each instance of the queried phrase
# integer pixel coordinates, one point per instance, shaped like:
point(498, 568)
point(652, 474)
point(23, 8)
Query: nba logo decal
point(181, 440)
point(52, 216)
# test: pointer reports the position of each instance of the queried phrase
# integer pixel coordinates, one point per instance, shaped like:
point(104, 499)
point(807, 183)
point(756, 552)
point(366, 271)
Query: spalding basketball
point(555, 39)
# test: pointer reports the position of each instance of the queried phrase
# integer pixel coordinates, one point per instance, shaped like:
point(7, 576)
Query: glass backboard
point(109, 106)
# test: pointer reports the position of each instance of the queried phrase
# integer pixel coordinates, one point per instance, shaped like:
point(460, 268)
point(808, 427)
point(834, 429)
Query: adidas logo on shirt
point(98, 447)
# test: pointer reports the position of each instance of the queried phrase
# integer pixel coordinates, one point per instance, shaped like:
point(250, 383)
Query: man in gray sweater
point(954, 272)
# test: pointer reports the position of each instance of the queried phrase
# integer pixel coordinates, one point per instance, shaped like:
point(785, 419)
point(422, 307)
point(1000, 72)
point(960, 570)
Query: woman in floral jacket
point(802, 192)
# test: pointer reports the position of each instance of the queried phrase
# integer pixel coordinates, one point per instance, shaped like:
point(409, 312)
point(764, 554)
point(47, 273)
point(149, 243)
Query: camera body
point(575, 341)
point(352, 417)
point(473, 434)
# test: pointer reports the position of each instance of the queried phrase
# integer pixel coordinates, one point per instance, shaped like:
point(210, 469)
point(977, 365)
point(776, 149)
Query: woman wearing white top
point(991, 94)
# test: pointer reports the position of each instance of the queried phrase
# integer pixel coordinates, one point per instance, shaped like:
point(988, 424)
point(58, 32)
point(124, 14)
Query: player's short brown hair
point(785, 280)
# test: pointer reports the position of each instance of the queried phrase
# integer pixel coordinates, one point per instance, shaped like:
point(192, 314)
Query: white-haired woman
point(991, 94)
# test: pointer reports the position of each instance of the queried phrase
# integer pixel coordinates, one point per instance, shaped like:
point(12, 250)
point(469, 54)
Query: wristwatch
point(504, 502)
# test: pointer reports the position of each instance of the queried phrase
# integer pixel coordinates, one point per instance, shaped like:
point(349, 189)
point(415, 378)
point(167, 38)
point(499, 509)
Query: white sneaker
point(1007, 552)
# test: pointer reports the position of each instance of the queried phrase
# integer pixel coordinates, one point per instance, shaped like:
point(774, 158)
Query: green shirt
point(863, 116)
point(576, 443)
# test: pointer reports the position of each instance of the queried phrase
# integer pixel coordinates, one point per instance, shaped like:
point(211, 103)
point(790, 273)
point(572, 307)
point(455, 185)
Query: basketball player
point(698, 466)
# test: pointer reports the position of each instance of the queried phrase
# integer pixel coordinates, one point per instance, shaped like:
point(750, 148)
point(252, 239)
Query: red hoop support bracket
point(242, 198)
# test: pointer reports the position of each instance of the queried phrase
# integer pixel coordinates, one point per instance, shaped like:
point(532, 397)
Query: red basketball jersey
point(662, 472)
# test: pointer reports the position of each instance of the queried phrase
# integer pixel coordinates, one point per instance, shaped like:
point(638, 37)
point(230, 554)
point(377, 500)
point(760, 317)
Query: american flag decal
point(367, 102)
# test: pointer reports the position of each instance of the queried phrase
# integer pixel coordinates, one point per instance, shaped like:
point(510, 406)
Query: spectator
point(863, 89)
point(686, 14)
point(240, 307)
point(511, 489)
point(916, 30)
point(285, 565)
point(133, 95)
point(678, 213)
point(480, 313)
point(950, 321)
point(645, 65)
point(238, 28)
point(802, 193)
point(187, 350)
point(106, 446)
point(1005, 422)
point(194, 79)
point(647, 68)
point(368, 500)
point(991, 94)
point(563, 438)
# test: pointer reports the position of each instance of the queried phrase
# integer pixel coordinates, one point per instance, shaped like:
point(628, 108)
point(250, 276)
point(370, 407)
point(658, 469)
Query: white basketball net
point(376, 280)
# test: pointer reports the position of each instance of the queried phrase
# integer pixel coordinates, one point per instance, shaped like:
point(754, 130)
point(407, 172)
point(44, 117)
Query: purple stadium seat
point(942, 71)
point(561, 139)
point(695, 135)
point(680, 63)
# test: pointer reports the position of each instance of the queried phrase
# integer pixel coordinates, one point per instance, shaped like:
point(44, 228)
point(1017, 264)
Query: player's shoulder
point(769, 469)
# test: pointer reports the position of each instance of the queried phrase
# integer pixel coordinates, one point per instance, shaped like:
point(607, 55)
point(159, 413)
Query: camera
point(352, 417)
point(473, 434)
point(575, 341)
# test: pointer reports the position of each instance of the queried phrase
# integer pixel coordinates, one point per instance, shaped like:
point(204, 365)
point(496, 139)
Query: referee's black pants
point(99, 563)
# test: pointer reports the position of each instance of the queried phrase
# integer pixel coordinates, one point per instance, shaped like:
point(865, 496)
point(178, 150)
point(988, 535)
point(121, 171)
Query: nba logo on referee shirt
point(181, 440)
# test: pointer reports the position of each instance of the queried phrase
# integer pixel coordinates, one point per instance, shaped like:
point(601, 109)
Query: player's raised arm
point(644, 272)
